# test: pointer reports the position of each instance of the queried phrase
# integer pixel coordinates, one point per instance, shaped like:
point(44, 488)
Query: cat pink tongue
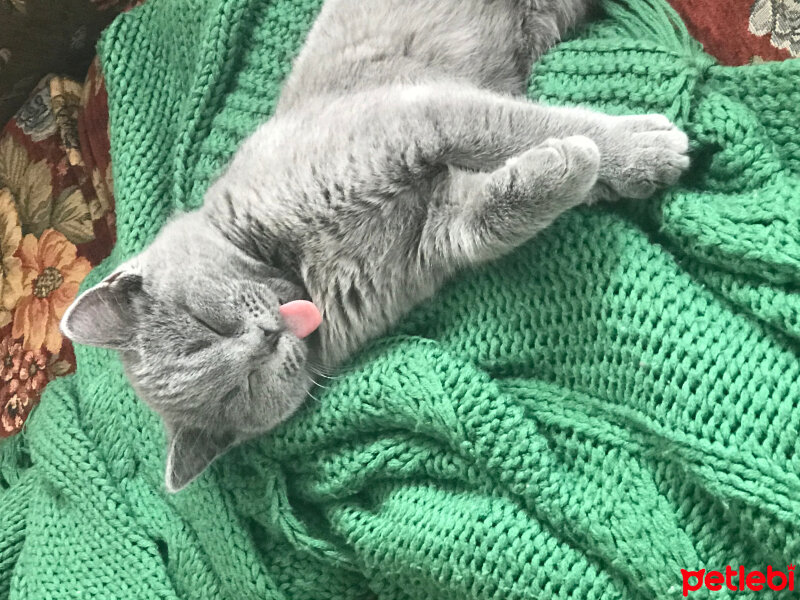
point(302, 317)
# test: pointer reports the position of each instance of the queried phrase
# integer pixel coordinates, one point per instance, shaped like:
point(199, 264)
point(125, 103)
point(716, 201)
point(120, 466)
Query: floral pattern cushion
point(780, 19)
point(57, 202)
point(56, 222)
point(740, 32)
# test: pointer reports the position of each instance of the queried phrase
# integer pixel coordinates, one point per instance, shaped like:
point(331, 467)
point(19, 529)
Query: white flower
point(781, 19)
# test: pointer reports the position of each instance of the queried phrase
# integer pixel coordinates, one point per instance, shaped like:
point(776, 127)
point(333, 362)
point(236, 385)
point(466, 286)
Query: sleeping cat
point(401, 150)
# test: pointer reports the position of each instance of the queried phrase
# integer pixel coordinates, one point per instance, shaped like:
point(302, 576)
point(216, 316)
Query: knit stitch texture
point(613, 402)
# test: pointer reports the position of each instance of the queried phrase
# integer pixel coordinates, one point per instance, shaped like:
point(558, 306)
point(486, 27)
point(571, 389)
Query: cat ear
point(103, 316)
point(190, 450)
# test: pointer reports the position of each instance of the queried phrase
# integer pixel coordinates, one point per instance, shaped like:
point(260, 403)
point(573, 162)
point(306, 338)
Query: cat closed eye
point(222, 329)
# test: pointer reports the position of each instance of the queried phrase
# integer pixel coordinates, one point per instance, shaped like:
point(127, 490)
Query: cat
point(400, 151)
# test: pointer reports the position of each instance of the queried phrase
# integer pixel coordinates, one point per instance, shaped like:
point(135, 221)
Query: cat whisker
point(316, 370)
point(316, 383)
point(326, 376)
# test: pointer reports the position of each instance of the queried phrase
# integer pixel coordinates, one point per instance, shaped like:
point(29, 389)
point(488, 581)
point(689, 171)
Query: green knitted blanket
point(618, 400)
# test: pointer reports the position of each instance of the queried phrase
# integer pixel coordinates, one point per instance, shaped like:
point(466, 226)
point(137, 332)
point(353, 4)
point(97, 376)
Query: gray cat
point(401, 150)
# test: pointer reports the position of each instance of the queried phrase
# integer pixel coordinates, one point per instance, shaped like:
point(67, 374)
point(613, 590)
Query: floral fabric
point(780, 19)
point(56, 189)
point(56, 222)
point(740, 32)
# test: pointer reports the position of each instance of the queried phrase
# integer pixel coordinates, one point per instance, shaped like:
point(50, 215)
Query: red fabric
point(722, 27)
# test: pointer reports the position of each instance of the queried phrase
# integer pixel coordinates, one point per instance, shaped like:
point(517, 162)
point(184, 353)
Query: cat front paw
point(564, 169)
point(640, 155)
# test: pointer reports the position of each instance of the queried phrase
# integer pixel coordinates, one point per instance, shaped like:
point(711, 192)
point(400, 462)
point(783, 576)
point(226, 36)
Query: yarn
point(612, 403)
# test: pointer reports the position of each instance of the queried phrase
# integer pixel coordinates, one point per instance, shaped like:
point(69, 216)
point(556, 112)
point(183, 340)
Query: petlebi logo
point(738, 579)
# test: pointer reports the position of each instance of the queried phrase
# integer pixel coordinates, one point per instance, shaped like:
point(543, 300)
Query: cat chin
point(272, 400)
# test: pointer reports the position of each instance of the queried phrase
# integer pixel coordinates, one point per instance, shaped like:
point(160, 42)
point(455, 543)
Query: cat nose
point(271, 336)
point(270, 332)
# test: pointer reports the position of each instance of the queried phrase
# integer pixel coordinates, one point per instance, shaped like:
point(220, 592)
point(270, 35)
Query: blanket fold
point(612, 403)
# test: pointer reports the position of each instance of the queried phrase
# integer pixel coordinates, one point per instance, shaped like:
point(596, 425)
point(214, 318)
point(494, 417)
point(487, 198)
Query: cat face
point(215, 350)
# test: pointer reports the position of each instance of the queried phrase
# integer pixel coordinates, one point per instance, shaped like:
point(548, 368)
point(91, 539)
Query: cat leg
point(479, 130)
point(477, 216)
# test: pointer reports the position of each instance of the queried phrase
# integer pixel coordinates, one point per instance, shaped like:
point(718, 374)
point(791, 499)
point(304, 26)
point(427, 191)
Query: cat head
point(212, 340)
